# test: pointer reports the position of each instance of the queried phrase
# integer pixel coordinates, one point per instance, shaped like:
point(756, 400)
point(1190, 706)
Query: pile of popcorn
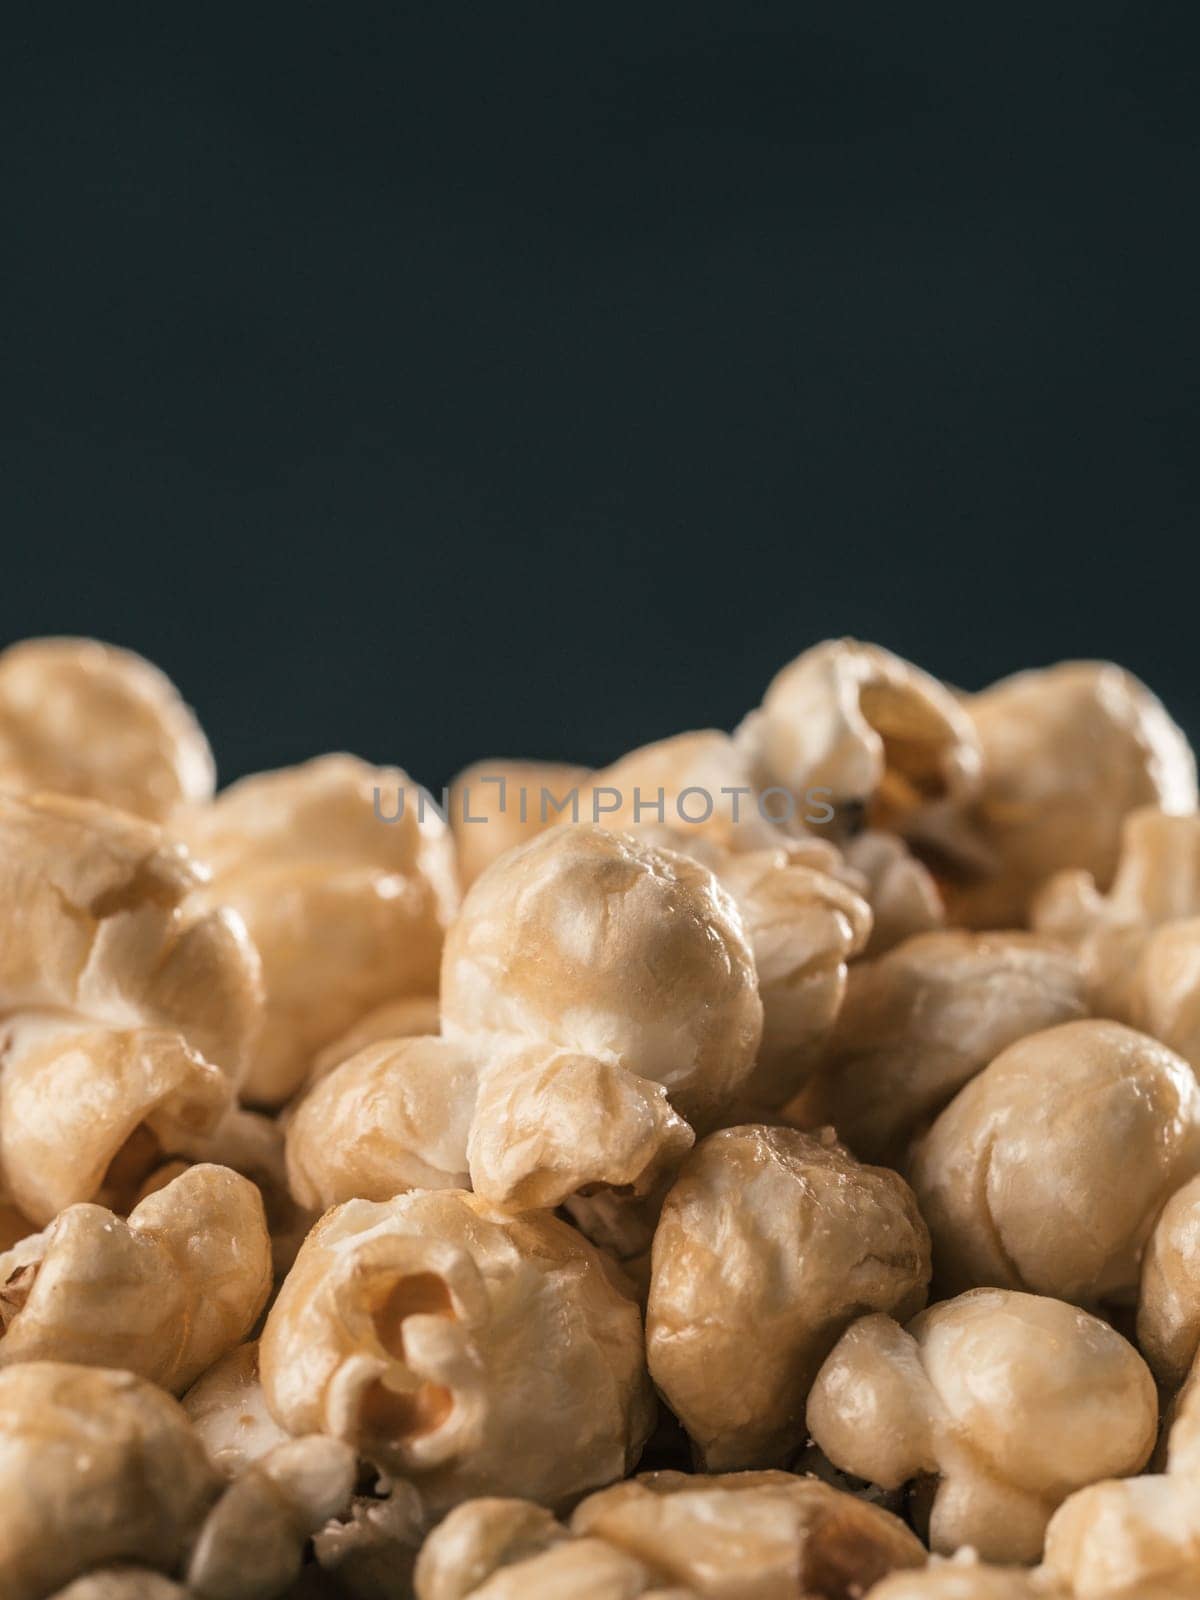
point(768, 1167)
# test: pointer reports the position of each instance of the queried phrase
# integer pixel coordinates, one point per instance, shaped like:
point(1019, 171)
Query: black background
point(439, 381)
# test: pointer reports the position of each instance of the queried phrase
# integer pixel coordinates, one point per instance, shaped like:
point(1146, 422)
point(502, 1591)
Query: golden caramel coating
point(512, 1550)
point(750, 1535)
point(1181, 1430)
point(252, 1544)
point(583, 1569)
point(1139, 944)
point(769, 1245)
point(96, 930)
point(901, 891)
point(1165, 1000)
point(125, 1026)
point(122, 1583)
point(90, 1114)
point(395, 1116)
point(549, 1123)
point(477, 1539)
point(871, 733)
point(345, 880)
point(258, 1044)
point(96, 1468)
point(163, 1294)
point(804, 919)
point(1047, 1171)
point(1156, 885)
point(87, 719)
point(1168, 1313)
point(466, 1349)
point(1156, 880)
point(253, 1145)
point(607, 947)
point(527, 1127)
point(968, 1579)
point(499, 804)
point(395, 1019)
point(1135, 1539)
point(1068, 753)
point(921, 1021)
point(1010, 1401)
point(697, 785)
point(804, 926)
point(228, 1410)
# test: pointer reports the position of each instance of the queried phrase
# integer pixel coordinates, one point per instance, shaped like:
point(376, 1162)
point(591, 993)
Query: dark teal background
point(439, 381)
